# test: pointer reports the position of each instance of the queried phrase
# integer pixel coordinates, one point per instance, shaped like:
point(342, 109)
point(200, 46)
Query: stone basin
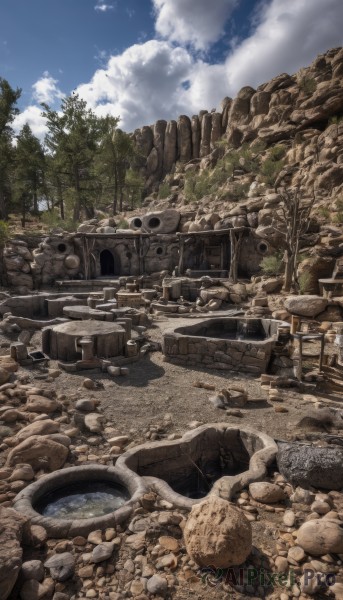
point(62, 342)
point(212, 459)
point(230, 343)
point(104, 498)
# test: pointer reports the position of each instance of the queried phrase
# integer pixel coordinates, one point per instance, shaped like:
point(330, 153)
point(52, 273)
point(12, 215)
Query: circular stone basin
point(78, 500)
point(60, 342)
point(82, 500)
point(214, 458)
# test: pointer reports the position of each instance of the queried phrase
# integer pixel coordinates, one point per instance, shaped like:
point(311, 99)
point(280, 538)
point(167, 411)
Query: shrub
point(304, 282)
point(308, 85)
point(272, 264)
point(53, 221)
point(4, 233)
point(164, 191)
point(270, 170)
point(324, 212)
point(122, 224)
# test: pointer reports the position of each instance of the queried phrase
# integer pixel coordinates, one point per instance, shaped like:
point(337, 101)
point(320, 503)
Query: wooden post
point(236, 243)
point(181, 257)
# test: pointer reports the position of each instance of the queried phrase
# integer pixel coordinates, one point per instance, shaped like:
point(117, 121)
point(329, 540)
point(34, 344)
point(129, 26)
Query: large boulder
point(166, 221)
point(321, 536)
point(44, 427)
point(39, 451)
point(305, 306)
point(311, 466)
point(13, 527)
point(217, 534)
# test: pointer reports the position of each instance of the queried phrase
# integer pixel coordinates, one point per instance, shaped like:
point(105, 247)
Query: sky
point(143, 60)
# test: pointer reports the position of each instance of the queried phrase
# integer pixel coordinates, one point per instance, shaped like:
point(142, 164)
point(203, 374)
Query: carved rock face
point(217, 534)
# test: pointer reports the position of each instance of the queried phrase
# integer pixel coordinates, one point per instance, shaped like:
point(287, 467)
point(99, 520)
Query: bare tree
point(295, 219)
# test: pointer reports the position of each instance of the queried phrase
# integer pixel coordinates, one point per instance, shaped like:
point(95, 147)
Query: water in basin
point(82, 500)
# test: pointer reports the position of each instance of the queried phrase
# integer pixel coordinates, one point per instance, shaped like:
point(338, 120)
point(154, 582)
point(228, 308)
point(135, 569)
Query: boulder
point(38, 451)
point(45, 427)
point(184, 138)
point(62, 566)
point(166, 221)
point(13, 527)
point(321, 536)
point(32, 569)
point(41, 404)
point(170, 147)
point(217, 534)
point(4, 376)
point(311, 466)
point(267, 493)
point(305, 306)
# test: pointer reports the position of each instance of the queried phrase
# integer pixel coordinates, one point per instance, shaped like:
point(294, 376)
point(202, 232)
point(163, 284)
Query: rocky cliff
point(296, 109)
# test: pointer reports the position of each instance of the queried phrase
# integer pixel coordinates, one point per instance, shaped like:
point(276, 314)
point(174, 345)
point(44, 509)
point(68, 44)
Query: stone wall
point(251, 356)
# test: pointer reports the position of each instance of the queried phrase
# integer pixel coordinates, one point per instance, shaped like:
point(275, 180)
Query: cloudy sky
point(148, 59)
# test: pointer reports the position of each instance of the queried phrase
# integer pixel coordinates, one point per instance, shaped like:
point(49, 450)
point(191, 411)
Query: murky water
point(82, 501)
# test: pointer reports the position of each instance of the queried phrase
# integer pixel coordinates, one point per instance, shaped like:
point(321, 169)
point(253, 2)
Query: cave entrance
point(109, 264)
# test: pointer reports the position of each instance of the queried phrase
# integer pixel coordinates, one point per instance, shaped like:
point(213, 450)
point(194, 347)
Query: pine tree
point(8, 110)
point(29, 169)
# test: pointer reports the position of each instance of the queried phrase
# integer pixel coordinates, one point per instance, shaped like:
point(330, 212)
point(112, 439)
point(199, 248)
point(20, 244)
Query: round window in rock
point(154, 222)
point(159, 250)
point(263, 247)
point(61, 247)
point(137, 222)
point(128, 255)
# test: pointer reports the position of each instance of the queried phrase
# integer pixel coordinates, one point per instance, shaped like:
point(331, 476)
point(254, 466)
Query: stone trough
point(235, 344)
point(212, 459)
point(43, 498)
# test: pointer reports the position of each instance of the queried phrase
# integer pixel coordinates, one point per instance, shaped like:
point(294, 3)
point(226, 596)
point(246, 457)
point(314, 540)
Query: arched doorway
point(107, 264)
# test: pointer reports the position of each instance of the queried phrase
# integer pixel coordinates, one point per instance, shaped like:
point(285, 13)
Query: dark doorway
point(107, 263)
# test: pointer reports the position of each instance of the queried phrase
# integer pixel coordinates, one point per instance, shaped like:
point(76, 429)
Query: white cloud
point(103, 7)
point(142, 84)
point(288, 35)
point(46, 90)
point(33, 116)
point(196, 22)
point(158, 79)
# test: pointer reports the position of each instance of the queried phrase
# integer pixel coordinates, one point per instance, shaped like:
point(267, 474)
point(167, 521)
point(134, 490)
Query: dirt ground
point(155, 387)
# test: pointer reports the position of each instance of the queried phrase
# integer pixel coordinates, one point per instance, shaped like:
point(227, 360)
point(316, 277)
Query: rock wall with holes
point(31, 265)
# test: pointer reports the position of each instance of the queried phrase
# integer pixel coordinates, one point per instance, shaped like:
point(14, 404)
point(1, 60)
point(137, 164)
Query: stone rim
point(63, 528)
point(225, 486)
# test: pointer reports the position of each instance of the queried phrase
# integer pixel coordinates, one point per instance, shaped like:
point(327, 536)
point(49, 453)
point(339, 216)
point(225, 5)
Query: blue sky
point(149, 59)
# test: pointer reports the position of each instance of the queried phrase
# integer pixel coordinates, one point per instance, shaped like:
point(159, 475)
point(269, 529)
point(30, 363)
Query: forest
point(85, 163)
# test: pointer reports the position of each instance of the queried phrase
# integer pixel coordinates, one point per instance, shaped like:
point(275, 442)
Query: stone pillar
point(109, 293)
point(87, 347)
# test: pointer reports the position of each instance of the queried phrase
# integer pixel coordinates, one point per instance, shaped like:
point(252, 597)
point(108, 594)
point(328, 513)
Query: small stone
point(295, 554)
point(266, 492)
point(281, 564)
point(79, 540)
point(62, 566)
point(95, 537)
point(39, 535)
point(320, 507)
point(85, 405)
point(88, 384)
point(102, 552)
point(169, 543)
point(289, 518)
point(157, 585)
point(86, 572)
point(32, 569)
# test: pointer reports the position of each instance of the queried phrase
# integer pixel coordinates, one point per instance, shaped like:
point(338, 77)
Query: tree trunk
point(77, 205)
point(60, 199)
point(115, 195)
point(289, 272)
point(3, 208)
point(23, 211)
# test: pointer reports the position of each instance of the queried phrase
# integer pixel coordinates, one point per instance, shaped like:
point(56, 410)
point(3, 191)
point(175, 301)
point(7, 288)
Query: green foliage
point(307, 84)
point(123, 224)
point(52, 220)
point(272, 265)
point(8, 110)
point(304, 283)
point(29, 168)
point(164, 190)
point(4, 233)
point(273, 164)
point(338, 218)
point(324, 212)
